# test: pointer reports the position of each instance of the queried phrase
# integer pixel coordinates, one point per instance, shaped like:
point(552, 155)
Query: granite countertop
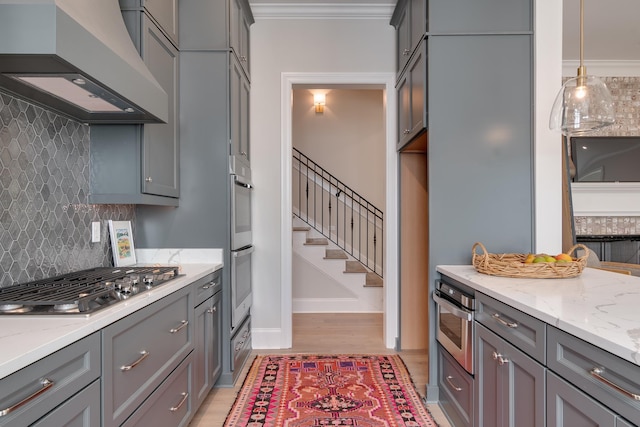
point(26, 339)
point(600, 307)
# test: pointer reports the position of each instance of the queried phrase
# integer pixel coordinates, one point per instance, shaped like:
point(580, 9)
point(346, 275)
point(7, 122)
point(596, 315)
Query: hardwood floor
point(324, 333)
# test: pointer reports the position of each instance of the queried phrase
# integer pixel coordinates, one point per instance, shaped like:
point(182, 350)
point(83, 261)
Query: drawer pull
point(455, 387)
point(182, 325)
point(499, 319)
point(597, 374)
point(143, 355)
point(208, 285)
point(46, 385)
point(185, 396)
point(501, 360)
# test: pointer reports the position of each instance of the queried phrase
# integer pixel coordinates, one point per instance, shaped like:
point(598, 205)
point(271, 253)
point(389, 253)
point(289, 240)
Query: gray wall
point(45, 221)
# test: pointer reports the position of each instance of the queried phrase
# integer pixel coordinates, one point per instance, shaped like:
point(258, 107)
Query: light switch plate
point(95, 232)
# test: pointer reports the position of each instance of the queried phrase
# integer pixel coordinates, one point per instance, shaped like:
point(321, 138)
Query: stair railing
point(337, 212)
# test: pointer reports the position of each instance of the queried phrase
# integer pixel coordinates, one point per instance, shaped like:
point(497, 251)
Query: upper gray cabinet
point(239, 105)
point(240, 21)
point(139, 164)
point(464, 16)
point(163, 12)
point(410, 20)
point(412, 97)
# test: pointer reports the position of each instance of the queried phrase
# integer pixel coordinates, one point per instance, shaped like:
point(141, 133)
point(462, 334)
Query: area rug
point(303, 390)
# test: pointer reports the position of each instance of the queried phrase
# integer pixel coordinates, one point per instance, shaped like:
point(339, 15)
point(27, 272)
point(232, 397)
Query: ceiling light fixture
point(584, 103)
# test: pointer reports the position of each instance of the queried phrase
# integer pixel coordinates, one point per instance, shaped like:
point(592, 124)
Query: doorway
point(390, 303)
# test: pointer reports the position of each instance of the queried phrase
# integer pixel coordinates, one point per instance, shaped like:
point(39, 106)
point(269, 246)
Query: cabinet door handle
point(243, 58)
point(211, 310)
point(597, 374)
point(143, 355)
point(501, 359)
point(185, 396)
point(46, 384)
point(500, 320)
point(406, 131)
point(406, 52)
point(455, 387)
point(208, 285)
point(148, 179)
point(183, 323)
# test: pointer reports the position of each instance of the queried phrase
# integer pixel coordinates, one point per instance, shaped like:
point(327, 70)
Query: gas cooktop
point(82, 292)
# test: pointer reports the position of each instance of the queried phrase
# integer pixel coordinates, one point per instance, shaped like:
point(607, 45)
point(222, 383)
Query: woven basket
point(513, 265)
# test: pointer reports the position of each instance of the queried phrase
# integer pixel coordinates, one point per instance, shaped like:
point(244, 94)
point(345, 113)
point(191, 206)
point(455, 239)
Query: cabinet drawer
point(170, 404)
point(616, 383)
point(456, 390)
point(207, 286)
point(82, 410)
point(140, 350)
point(241, 346)
point(68, 371)
point(520, 329)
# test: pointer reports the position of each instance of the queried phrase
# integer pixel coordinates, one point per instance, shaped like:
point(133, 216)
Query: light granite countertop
point(600, 307)
point(27, 339)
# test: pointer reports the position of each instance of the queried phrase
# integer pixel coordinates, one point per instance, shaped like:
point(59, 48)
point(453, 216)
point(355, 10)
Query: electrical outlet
point(95, 232)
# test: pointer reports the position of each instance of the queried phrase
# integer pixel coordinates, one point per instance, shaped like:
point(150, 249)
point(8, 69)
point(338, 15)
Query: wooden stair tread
point(301, 228)
point(316, 241)
point(335, 254)
point(354, 267)
point(373, 280)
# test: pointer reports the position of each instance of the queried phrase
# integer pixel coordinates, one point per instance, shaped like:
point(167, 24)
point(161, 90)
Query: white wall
point(279, 46)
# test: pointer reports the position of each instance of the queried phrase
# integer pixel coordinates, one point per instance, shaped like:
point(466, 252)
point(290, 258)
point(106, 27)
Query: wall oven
point(455, 321)
point(241, 293)
point(241, 235)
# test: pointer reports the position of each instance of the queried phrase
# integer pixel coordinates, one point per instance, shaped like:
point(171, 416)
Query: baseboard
point(330, 305)
point(266, 338)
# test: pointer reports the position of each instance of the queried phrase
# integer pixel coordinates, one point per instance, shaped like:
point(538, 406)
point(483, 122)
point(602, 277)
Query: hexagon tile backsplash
point(45, 220)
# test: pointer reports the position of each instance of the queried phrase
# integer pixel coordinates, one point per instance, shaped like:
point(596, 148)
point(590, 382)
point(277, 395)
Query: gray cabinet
point(410, 21)
point(412, 97)
point(208, 352)
point(607, 379)
point(510, 386)
point(140, 350)
point(240, 21)
point(569, 407)
point(163, 12)
point(82, 410)
point(456, 390)
point(239, 106)
point(36, 390)
point(139, 164)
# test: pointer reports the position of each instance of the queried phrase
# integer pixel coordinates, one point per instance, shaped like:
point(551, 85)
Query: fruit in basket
point(538, 259)
point(529, 259)
point(564, 257)
point(549, 258)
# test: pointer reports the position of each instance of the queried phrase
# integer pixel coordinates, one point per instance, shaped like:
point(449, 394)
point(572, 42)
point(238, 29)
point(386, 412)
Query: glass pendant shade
point(583, 105)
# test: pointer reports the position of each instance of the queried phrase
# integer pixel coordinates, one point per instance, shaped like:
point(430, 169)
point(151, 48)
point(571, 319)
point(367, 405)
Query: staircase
point(327, 279)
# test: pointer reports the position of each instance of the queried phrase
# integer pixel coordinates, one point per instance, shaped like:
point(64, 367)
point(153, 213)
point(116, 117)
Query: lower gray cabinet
point(171, 404)
point(510, 385)
point(82, 410)
point(208, 350)
point(456, 390)
point(569, 407)
point(34, 391)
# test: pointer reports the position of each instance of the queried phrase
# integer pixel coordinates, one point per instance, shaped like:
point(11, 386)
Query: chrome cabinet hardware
point(143, 355)
point(46, 384)
point(208, 285)
point(148, 179)
point(183, 323)
point(455, 387)
point(500, 320)
point(597, 374)
point(501, 359)
point(406, 52)
point(185, 396)
point(406, 131)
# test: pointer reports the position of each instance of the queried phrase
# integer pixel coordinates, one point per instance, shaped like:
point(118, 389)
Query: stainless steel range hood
point(76, 57)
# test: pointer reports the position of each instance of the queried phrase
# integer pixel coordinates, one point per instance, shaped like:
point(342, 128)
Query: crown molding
point(627, 68)
point(322, 10)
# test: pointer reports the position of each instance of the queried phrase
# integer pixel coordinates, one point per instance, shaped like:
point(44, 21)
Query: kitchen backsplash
point(45, 220)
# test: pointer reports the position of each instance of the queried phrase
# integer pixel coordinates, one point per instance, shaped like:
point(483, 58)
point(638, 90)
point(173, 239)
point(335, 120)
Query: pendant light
point(584, 103)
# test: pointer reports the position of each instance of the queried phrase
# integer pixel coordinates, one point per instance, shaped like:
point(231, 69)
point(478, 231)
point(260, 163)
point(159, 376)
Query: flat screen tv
point(606, 158)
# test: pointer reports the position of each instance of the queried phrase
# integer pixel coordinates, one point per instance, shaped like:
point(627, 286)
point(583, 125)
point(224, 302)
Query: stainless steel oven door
point(455, 327)
point(241, 290)
point(241, 235)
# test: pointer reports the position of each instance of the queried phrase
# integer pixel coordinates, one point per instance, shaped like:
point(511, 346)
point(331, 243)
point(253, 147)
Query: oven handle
point(242, 252)
point(456, 311)
point(237, 180)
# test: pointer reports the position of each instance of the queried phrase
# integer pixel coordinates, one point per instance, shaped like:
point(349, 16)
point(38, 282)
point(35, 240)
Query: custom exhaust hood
point(76, 57)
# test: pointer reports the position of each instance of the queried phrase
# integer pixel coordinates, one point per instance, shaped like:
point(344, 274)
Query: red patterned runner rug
point(300, 390)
